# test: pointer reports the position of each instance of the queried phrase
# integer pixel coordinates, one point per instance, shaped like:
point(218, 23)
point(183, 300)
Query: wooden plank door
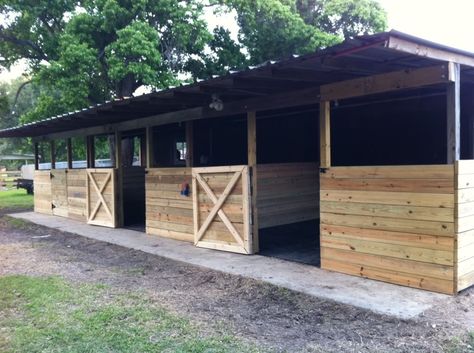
point(59, 192)
point(101, 197)
point(221, 207)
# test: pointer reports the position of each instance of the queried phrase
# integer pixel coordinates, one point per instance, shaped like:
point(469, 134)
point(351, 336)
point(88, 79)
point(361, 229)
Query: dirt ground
point(263, 314)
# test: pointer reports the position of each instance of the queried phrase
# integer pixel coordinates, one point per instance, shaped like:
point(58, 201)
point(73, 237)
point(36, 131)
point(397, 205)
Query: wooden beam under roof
point(427, 51)
point(277, 101)
point(303, 75)
point(387, 82)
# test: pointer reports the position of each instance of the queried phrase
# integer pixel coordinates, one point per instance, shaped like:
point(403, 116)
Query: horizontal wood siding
point(59, 192)
point(393, 223)
point(168, 213)
point(287, 193)
point(64, 189)
point(42, 192)
point(76, 194)
point(465, 224)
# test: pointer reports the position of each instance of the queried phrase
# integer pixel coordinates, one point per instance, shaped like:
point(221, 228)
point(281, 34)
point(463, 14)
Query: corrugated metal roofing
point(352, 58)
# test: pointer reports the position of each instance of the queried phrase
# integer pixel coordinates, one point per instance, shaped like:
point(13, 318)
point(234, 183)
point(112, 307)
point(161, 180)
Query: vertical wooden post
point(53, 154)
point(118, 149)
point(189, 144)
point(69, 153)
point(150, 144)
point(325, 134)
point(252, 163)
point(119, 176)
point(142, 150)
point(90, 152)
point(36, 155)
point(453, 104)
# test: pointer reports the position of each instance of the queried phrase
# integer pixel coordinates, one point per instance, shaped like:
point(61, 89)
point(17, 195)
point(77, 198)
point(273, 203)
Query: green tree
point(16, 98)
point(82, 52)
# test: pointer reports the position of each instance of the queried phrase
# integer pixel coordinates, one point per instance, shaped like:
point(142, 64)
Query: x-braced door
point(221, 205)
point(101, 202)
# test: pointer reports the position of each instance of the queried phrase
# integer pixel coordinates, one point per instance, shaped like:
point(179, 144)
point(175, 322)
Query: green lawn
point(15, 198)
point(51, 315)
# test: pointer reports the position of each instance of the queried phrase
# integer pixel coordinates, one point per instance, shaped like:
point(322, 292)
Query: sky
point(442, 21)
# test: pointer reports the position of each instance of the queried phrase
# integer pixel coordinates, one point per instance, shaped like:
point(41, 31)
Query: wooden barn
point(358, 158)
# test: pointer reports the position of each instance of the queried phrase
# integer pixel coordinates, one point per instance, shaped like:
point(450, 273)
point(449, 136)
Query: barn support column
point(325, 134)
point(90, 152)
point(69, 153)
point(119, 175)
point(189, 144)
point(36, 156)
point(150, 150)
point(252, 163)
point(53, 154)
point(453, 105)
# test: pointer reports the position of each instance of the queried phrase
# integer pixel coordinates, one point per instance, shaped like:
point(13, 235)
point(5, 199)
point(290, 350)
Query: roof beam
point(388, 82)
point(427, 51)
point(277, 101)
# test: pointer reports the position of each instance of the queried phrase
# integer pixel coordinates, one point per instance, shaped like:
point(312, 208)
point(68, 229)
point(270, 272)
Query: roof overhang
point(271, 85)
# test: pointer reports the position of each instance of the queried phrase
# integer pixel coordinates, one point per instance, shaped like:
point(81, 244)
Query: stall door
point(221, 206)
point(101, 198)
point(59, 192)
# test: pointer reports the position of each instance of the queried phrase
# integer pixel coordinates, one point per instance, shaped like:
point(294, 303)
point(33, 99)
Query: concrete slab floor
point(384, 298)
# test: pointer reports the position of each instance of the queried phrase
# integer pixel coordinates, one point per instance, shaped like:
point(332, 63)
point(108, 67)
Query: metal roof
point(360, 56)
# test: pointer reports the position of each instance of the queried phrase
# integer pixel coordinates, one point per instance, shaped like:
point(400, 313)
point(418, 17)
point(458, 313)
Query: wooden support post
point(36, 146)
point(53, 154)
point(325, 134)
point(189, 144)
point(142, 151)
point(119, 181)
point(453, 105)
point(90, 152)
point(252, 163)
point(69, 153)
point(118, 149)
point(150, 147)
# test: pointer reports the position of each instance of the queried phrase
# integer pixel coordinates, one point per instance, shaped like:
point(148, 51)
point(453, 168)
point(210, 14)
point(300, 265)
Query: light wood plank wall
point(394, 224)
point(66, 191)
point(59, 192)
point(287, 193)
point(76, 194)
point(168, 213)
point(465, 224)
point(42, 192)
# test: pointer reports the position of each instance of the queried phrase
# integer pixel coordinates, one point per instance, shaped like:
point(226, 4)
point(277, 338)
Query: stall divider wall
point(465, 224)
point(287, 193)
point(394, 223)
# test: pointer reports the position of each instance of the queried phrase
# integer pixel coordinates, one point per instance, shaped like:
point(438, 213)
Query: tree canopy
point(81, 52)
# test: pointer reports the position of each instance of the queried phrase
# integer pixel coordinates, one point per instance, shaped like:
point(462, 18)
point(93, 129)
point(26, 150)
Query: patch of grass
point(461, 345)
point(16, 198)
point(16, 222)
point(51, 315)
